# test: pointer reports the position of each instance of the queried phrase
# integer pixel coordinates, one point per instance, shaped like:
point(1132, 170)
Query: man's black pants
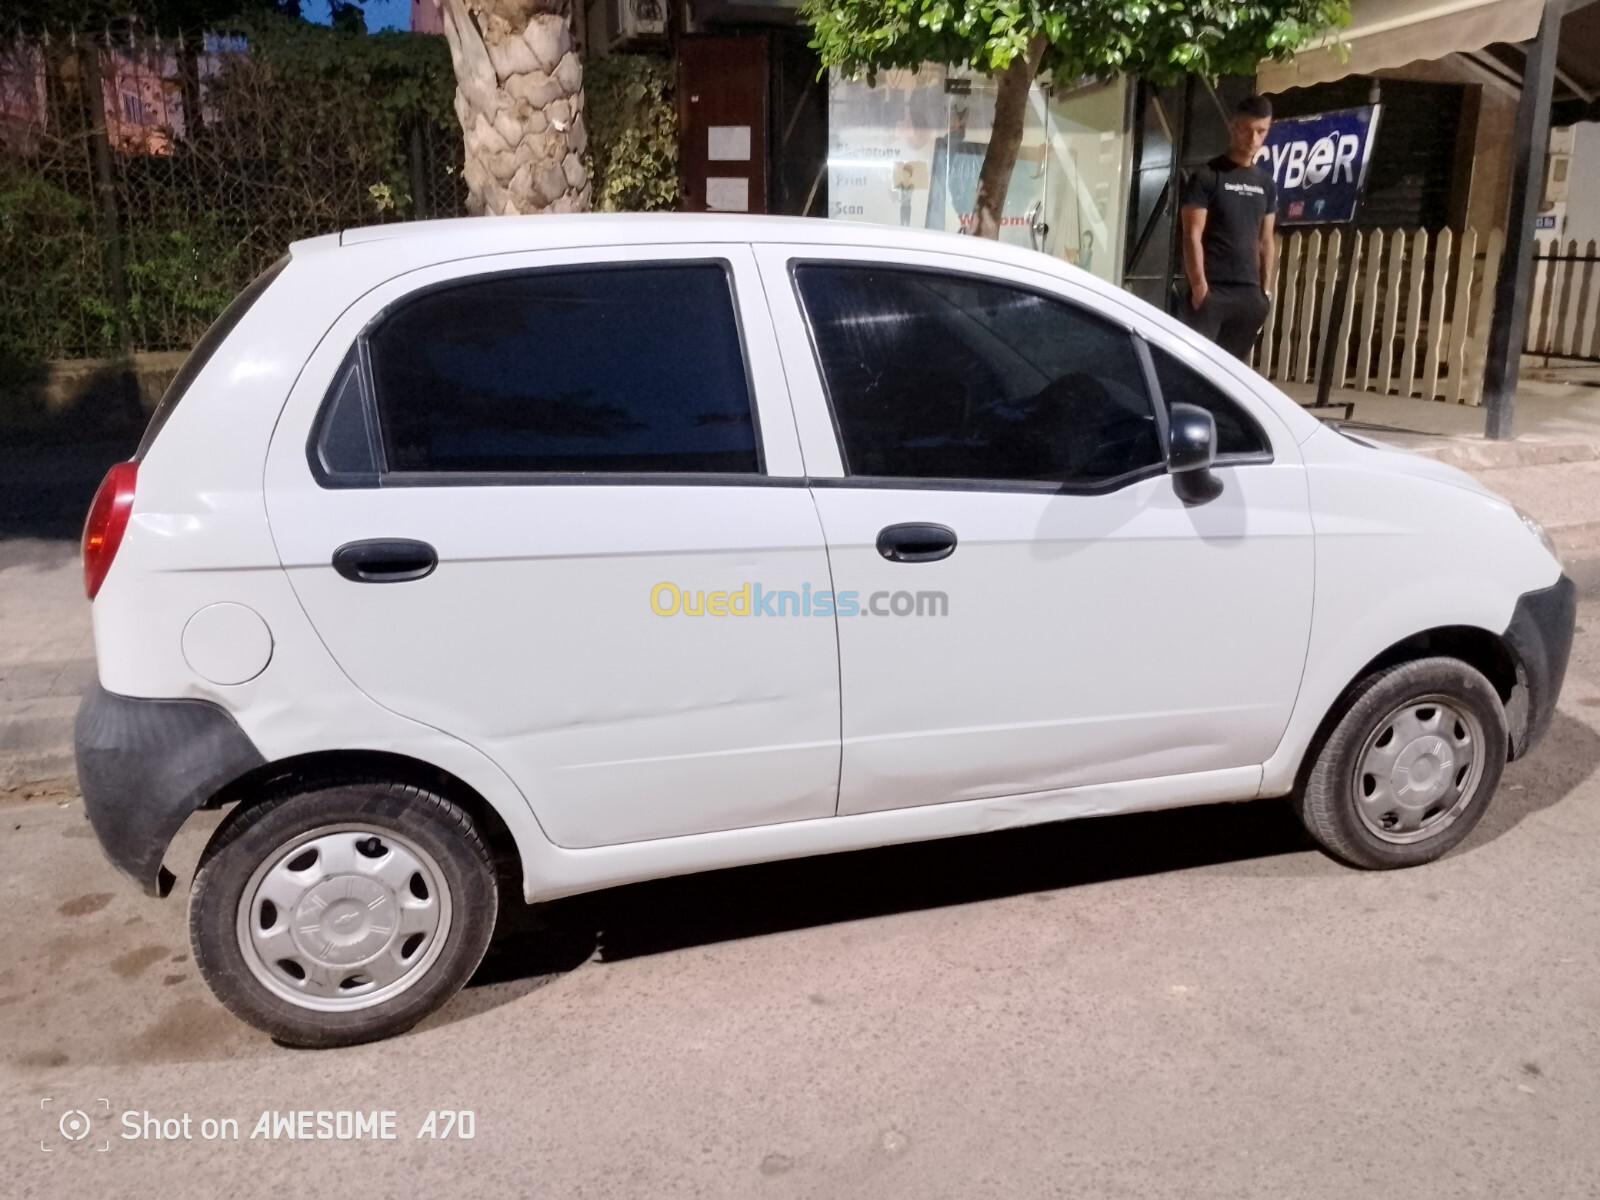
point(1231, 316)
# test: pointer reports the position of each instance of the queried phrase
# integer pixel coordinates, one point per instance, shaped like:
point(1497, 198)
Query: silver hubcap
point(1418, 770)
point(343, 918)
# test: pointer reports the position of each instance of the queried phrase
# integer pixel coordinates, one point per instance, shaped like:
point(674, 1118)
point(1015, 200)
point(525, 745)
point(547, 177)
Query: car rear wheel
point(344, 914)
point(1409, 768)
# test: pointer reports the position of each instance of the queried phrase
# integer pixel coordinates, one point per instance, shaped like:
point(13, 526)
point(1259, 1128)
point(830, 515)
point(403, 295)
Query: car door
point(493, 473)
point(1026, 604)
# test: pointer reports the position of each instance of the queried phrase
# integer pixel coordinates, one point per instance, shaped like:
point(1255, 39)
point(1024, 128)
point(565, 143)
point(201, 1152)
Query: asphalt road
point(1182, 1004)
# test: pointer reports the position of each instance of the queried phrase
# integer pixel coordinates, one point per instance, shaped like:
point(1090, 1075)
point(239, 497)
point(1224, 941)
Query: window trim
point(416, 479)
point(1147, 365)
point(355, 356)
point(930, 483)
point(1034, 487)
point(386, 477)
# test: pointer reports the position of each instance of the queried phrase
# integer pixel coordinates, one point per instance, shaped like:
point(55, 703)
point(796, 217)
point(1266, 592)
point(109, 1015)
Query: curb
point(1480, 455)
point(1576, 541)
point(48, 771)
point(36, 743)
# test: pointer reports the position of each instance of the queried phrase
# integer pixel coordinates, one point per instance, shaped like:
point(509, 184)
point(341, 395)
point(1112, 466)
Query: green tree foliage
point(346, 17)
point(1157, 40)
point(633, 133)
point(1016, 40)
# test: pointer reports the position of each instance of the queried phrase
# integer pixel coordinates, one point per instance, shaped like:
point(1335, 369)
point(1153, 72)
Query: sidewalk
point(46, 649)
point(1557, 421)
point(46, 661)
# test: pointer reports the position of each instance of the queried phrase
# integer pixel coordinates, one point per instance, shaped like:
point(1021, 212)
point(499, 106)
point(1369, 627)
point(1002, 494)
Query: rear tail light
point(108, 521)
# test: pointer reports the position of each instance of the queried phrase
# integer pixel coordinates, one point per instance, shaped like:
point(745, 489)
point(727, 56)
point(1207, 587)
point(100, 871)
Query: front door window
point(943, 376)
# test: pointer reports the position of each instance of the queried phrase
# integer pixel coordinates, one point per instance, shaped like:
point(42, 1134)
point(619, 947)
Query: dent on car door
point(1088, 626)
point(578, 443)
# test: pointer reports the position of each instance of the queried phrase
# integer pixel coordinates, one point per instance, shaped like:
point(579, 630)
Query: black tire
point(1327, 800)
point(253, 834)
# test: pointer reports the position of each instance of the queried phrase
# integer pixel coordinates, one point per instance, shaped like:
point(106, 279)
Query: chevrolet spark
point(565, 552)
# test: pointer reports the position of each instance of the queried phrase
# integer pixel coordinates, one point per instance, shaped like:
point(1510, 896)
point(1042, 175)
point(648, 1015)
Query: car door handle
point(385, 560)
point(917, 542)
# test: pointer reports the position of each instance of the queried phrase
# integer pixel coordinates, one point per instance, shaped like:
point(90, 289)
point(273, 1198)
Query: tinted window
point(949, 377)
point(210, 340)
point(1237, 432)
point(597, 369)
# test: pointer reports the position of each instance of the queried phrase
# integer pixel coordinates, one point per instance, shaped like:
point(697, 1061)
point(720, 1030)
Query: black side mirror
point(1191, 449)
point(1191, 439)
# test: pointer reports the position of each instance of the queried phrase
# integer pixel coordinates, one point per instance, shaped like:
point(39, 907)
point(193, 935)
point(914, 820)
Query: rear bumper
point(144, 766)
point(1540, 636)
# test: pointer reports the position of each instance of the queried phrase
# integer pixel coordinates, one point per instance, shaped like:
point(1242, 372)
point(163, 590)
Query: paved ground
point(1183, 1004)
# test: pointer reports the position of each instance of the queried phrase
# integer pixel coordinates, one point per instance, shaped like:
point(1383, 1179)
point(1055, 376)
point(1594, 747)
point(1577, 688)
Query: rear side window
point(1238, 435)
point(597, 369)
point(943, 376)
point(209, 341)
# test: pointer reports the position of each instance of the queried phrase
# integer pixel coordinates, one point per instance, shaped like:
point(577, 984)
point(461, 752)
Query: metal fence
point(143, 182)
point(1564, 310)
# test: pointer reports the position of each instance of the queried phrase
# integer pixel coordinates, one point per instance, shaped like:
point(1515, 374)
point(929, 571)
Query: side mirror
point(1191, 439)
point(1191, 449)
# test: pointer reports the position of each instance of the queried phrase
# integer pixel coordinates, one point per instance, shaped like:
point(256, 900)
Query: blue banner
point(1320, 164)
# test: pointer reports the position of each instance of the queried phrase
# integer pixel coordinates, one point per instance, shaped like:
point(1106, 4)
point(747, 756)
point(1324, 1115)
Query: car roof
point(461, 237)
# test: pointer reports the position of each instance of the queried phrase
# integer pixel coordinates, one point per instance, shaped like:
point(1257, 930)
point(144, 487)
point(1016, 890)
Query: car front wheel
point(1409, 768)
point(344, 914)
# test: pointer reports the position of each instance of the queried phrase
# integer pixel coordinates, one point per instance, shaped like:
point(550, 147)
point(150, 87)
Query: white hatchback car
point(585, 550)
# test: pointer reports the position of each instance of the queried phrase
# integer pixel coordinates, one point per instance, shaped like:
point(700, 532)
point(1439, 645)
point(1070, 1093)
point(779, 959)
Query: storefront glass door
point(908, 152)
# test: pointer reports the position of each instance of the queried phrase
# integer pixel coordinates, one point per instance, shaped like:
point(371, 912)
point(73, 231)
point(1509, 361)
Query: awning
point(1392, 33)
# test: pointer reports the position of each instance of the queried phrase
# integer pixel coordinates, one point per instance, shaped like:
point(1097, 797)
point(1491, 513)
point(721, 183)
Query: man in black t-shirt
point(1229, 208)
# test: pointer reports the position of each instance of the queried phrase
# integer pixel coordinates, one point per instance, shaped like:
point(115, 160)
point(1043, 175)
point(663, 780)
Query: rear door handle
point(917, 542)
point(385, 560)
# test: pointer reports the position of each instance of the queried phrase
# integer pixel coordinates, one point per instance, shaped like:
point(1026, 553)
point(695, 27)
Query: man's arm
point(1268, 250)
point(1194, 254)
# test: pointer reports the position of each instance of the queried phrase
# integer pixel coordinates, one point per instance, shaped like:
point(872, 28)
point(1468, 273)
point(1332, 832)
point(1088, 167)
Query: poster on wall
point(880, 144)
point(953, 191)
point(1320, 164)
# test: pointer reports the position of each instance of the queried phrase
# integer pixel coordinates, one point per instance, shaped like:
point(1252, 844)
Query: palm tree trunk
point(1005, 138)
point(519, 97)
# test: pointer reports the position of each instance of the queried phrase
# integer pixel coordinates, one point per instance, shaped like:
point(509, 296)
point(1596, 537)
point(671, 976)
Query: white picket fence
point(1417, 322)
point(1564, 312)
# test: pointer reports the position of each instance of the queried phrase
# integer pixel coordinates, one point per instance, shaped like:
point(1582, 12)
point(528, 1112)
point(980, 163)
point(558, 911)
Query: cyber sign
point(1320, 164)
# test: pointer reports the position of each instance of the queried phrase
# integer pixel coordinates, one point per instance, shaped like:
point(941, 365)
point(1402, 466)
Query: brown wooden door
point(722, 123)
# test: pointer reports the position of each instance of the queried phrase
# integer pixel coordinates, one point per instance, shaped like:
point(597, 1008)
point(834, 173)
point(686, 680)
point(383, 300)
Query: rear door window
point(634, 369)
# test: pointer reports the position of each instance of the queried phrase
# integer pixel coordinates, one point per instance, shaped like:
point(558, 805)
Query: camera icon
point(74, 1125)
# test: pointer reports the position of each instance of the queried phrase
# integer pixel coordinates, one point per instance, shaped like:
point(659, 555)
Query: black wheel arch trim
point(1540, 639)
point(146, 766)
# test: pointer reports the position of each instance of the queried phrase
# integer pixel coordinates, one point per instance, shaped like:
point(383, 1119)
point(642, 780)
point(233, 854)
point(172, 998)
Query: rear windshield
point(203, 350)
